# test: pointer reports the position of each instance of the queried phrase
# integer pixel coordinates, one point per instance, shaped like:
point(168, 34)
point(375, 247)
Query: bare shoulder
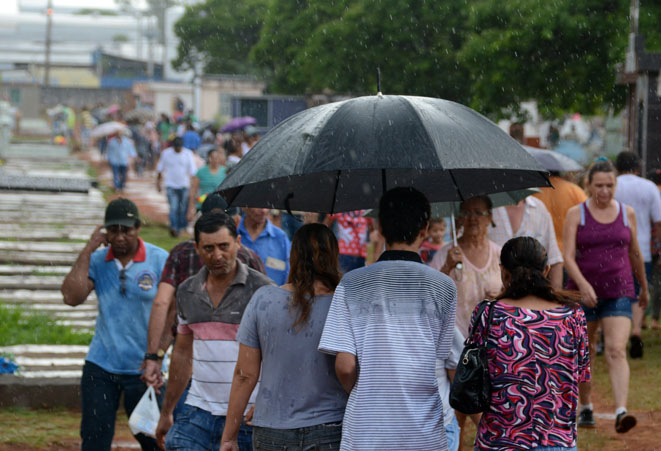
point(573, 213)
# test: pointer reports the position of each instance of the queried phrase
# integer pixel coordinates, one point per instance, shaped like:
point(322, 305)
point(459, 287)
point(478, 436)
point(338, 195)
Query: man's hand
point(249, 415)
point(191, 213)
point(97, 238)
point(152, 374)
point(164, 425)
point(231, 445)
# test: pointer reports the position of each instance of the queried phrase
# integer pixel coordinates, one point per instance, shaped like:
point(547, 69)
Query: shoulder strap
point(582, 208)
point(481, 307)
point(625, 216)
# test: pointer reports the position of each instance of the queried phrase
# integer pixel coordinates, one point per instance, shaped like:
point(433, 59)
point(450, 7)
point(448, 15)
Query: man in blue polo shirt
point(125, 277)
point(270, 242)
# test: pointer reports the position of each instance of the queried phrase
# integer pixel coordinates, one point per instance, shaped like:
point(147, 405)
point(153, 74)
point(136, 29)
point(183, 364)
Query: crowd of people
point(305, 331)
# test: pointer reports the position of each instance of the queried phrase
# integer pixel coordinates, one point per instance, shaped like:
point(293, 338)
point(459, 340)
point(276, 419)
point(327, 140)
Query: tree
point(220, 33)
point(561, 53)
point(317, 44)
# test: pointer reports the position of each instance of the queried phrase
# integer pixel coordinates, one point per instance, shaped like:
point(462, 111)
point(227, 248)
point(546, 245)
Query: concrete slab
point(38, 297)
point(31, 282)
point(33, 269)
point(43, 246)
point(43, 216)
point(43, 235)
point(32, 218)
point(42, 258)
point(38, 390)
point(37, 183)
point(29, 349)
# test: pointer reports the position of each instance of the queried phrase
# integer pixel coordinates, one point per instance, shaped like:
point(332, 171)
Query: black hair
point(403, 213)
point(177, 142)
point(600, 166)
point(655, 176)
point(213, 222)
point(525, 259)
point(627, 162)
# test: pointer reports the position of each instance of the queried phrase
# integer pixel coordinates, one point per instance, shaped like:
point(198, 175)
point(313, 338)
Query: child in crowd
point(434, 239)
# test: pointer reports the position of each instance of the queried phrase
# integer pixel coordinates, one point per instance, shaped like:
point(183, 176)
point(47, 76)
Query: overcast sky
point(11, 6)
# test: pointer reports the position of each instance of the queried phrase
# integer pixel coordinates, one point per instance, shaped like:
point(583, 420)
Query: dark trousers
point(100, 391)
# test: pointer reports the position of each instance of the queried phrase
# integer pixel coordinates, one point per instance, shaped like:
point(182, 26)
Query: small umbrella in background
point(553, 161)
point(107, 128)
point(343, 156)
point(238, 123)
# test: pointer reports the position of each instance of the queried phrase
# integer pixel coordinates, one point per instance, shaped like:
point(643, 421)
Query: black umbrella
point(342, 156)
point(553, 161)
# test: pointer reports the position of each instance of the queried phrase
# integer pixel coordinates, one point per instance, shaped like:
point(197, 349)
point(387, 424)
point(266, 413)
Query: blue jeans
point(100, 392)
point(197, 429)
point(119, 176)
point(178, 200)
point(322, 436)
point(452, 434)
point(350, 262)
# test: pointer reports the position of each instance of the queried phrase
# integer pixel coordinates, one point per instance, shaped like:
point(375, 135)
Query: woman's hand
point(588, 295)
point(454, 257)
point(643, 298)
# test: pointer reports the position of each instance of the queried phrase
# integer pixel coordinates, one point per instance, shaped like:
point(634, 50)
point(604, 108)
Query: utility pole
point(164, 12)
point(49, 26)
point(138, 18)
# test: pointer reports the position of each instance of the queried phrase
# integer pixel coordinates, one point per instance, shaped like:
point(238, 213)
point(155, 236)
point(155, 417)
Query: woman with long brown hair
point(300, 402)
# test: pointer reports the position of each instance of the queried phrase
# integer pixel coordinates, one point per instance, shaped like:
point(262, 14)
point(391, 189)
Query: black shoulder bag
point(471, 388)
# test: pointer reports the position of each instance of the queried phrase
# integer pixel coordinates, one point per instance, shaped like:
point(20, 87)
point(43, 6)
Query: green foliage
point(94, 12)
point(159, 235)
point(648, 24)
point(561, 53)
point(20, 326)
point(220, 33)
point(489, 54)
point(414, 44)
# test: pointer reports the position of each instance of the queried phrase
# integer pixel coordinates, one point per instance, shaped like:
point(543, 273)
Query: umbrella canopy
point(107, 128)
point(343, 156)
point(447, 209)
point(553, 161)
point(238, 123)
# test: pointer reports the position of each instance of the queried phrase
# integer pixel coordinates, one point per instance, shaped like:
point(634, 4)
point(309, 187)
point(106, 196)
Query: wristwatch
point(158, 356)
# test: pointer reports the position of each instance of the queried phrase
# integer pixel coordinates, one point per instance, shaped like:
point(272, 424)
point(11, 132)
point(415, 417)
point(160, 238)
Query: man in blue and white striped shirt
point(387, 325)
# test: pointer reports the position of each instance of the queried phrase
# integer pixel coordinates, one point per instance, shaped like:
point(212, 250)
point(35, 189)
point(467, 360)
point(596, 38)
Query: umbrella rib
point(337, 182)
point(454, 182)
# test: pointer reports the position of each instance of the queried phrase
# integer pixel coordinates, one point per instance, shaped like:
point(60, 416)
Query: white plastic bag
point(144, 417)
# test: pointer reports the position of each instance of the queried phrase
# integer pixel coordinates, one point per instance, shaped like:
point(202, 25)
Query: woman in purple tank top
point(601, 252)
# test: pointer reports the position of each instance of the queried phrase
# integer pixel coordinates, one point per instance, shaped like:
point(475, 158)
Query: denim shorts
point(609, 307)
point(322, 436)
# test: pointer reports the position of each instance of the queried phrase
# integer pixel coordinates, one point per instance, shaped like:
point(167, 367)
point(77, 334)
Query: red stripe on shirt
point(211, 330)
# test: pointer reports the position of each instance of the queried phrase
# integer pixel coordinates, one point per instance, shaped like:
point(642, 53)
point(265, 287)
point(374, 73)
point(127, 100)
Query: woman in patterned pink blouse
point(538, 354)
